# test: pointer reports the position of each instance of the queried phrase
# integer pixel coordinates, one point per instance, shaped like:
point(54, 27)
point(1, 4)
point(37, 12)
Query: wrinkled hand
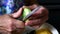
point(38, 18)
point(10, 25)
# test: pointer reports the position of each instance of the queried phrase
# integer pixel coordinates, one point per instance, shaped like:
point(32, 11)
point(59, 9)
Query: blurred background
point(54, 11)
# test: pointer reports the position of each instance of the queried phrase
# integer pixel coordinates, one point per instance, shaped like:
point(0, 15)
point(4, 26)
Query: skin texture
point(9, 25)
point(38, 18)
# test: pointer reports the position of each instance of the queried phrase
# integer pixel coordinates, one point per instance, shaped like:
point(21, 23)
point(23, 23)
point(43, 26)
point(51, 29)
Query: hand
point(38, 18)
point(10, 25)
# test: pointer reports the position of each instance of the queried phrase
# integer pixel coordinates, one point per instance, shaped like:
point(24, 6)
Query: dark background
point(54, 11)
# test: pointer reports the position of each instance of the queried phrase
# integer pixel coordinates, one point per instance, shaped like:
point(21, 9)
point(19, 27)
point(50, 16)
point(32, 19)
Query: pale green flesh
point(26, 12)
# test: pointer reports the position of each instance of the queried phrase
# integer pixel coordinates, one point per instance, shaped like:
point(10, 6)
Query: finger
point(18, 23)
point(18, 26)
point(16, 14)
point(33, 17)
point(33, 22)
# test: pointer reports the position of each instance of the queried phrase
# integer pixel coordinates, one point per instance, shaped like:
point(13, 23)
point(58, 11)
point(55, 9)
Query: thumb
point(16, 14)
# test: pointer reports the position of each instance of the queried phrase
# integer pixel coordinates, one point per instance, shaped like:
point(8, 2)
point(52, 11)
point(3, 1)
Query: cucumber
point(26, 11)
